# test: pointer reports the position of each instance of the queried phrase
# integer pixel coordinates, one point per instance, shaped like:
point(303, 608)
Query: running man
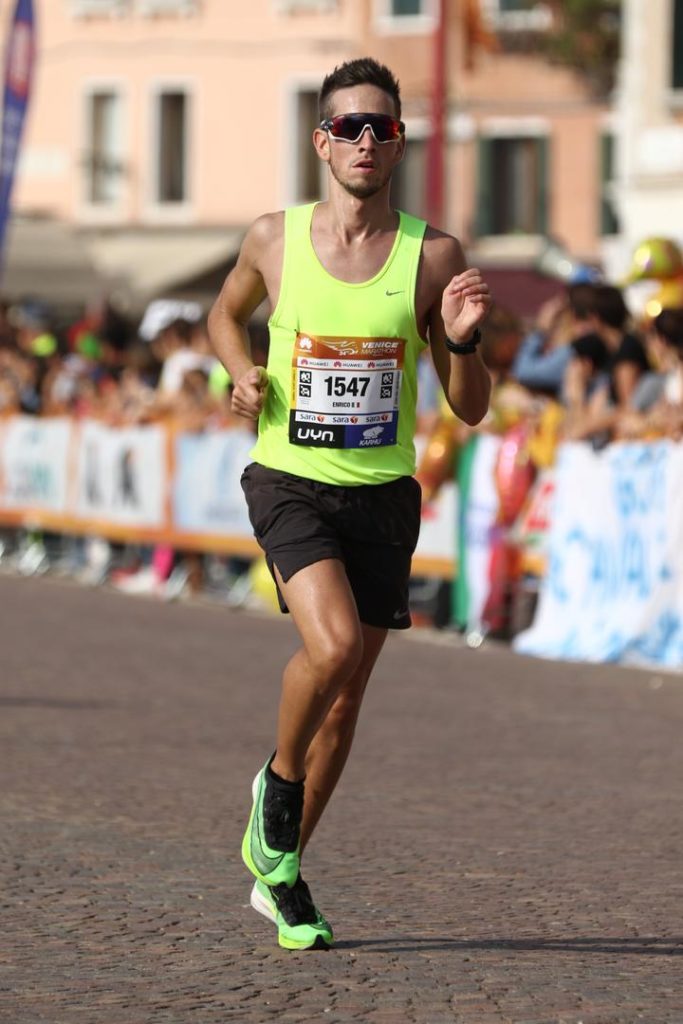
point(357, 290)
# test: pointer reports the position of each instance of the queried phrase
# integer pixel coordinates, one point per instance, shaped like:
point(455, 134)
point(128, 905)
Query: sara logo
point(354, 419)
point(371, 437)
point(305, 343)
point(321, 419)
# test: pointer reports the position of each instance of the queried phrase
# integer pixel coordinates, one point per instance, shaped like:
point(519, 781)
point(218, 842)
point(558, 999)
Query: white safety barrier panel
point(614, 587)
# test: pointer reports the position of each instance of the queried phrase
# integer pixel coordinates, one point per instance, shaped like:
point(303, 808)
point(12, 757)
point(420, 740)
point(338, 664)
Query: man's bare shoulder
point(266, 231)
point(442, 254)
point(442, 259)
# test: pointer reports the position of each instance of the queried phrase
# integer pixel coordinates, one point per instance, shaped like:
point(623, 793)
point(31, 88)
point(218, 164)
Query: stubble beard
point(361, 191)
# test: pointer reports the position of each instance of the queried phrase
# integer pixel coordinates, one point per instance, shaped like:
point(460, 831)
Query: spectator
point(544, 354)
point(627, 357)
point(656, 407)
point(594, 406)
point(175, 345)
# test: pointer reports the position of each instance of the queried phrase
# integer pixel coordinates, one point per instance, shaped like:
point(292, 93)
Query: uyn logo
point(308, 434)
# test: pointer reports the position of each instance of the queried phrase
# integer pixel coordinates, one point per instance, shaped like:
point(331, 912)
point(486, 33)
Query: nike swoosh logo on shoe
point(263, 862)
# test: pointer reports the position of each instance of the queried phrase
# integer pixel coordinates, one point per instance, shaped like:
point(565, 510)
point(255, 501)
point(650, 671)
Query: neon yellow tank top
point(342, 365)
point(342, 394)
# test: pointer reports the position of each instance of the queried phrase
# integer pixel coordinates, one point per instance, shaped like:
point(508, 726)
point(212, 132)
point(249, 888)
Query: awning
point(48, 260)
point(153, 262)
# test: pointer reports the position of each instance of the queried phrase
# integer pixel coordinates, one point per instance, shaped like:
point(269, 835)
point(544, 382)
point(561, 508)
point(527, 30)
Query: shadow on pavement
point(647, 946)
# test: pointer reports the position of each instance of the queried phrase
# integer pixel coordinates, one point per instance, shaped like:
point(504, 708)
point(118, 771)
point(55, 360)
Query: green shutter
point(677, 55)
point(401, 8)
point(543, 194)
point(609, 224)
point(485, 187)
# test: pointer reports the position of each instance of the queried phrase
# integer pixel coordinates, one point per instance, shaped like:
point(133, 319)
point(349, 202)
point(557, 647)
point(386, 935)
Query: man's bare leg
point(331, 744)
point(322, 605)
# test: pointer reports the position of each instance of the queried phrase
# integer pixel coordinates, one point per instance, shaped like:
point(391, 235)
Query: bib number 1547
point(343, 385)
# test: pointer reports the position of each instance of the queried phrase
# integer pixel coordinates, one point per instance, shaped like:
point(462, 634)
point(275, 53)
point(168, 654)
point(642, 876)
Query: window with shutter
point(172, 147)
point(103, 163)
point(677, 46)
point(513, 186)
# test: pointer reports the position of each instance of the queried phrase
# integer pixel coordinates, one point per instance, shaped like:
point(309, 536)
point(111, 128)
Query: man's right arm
point(243, 291)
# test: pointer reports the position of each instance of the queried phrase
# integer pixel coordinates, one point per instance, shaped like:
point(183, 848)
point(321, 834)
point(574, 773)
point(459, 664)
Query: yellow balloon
point(262, 584)
point(669, 296)
point(656, 258)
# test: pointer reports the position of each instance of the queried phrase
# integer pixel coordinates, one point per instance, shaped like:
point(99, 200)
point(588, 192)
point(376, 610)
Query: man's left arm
point(461, 301)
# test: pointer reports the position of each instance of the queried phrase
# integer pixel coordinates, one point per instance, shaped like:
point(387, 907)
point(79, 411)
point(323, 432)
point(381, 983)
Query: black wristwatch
point(465, 348)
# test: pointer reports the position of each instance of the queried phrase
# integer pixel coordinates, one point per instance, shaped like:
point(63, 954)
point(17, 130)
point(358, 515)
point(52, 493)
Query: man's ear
point(321, 144)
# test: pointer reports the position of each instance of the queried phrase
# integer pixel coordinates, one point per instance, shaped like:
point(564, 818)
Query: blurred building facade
point(648, 185)
point(160, 128)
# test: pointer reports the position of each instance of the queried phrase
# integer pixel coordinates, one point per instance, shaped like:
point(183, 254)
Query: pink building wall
point(241, 63)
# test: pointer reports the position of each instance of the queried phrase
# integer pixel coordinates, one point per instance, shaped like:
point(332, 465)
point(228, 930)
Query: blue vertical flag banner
point(19, 60)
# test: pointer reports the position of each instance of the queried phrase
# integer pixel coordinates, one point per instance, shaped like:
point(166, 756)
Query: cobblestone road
point(505, 847)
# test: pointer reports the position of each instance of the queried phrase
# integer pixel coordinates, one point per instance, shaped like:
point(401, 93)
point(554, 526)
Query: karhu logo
point(371, 437)
point(309, 434)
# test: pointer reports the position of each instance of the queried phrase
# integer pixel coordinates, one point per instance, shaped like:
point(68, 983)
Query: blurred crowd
point(610, 376)
point(585, 369)
point(101, 368)
point(605, 376)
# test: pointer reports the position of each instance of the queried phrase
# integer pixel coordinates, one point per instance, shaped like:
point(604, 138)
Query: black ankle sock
point(284, 783)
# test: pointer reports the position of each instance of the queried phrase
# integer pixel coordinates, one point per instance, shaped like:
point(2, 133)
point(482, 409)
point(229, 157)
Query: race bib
point(345, 391)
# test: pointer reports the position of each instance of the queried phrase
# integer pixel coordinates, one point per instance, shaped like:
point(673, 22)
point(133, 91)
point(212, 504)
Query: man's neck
point(351, 218)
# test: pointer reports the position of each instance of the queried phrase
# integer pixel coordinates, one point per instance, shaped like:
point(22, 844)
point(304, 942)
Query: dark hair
point(610, 307)
point(581, 299)
point(592, 347)
point(363, 71)
point(182, 328)
point(669, 325)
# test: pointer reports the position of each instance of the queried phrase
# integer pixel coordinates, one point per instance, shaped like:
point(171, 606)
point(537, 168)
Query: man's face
point(364, 167)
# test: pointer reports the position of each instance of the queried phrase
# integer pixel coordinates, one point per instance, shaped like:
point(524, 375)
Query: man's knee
point(336, 657)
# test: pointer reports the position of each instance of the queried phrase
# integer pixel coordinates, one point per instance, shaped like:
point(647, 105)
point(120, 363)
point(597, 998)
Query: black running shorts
point(372, 529)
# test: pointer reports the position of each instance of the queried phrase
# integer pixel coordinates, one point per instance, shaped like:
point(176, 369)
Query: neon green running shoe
point(300, 925)
point(270, 847)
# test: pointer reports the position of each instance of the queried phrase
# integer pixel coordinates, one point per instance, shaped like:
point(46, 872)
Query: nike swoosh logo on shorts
point(400, 615)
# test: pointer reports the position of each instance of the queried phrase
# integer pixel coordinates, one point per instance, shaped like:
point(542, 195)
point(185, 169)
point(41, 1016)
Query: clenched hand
point(249, 393)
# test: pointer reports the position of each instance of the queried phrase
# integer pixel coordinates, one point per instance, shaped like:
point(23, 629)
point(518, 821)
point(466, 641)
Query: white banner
point(34, 461)
point(614, 589)
point(122, 475)
point(479, 521)
point(207, 496)
point(439, 525)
